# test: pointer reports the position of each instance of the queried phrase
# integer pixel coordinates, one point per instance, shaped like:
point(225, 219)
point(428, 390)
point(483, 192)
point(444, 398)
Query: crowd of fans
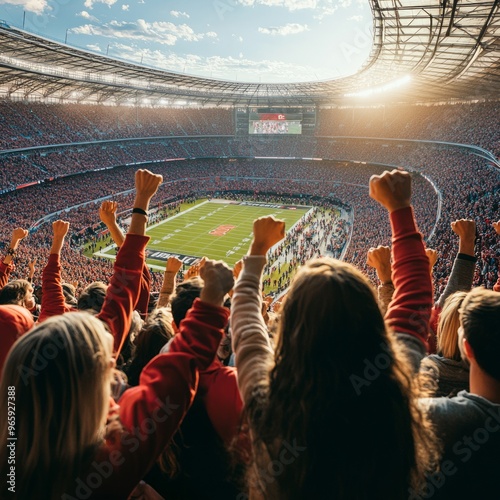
point(464, 123)
point(466, 185)
point(245, 420)
point(37, 124)
point(122, 393)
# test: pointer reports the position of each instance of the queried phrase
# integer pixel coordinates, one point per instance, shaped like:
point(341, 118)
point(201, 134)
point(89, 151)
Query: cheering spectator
point(309, 400)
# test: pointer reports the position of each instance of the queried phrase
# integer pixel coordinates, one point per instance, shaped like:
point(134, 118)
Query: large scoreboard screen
point(275, 123)
point(270, 121)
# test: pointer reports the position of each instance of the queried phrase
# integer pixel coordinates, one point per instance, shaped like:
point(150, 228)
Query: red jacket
point(129, 284)
point(410, 309)
point(151, 412)
point(5, 270)
point(221, 397)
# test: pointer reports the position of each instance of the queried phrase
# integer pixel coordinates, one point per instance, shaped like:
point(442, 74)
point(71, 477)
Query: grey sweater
point(463, 422)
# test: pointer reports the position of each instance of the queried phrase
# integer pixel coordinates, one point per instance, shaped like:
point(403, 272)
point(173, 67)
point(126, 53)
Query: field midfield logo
point(221, 230)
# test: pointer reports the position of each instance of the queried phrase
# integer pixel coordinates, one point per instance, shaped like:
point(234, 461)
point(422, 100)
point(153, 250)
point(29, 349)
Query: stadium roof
point(423, 51)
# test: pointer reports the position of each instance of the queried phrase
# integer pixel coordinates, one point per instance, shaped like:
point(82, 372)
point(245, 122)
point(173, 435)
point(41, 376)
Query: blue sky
point(243, 40)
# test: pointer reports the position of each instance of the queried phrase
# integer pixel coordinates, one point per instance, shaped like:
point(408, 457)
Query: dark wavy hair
point(155, 333)
point(339, 418)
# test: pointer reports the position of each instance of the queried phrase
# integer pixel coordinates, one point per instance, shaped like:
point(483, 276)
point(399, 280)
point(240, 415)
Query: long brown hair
point(340, 398)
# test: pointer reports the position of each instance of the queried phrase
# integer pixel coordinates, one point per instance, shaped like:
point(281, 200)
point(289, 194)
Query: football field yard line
point(188, 232)
point(196, 244)
point(219, 245)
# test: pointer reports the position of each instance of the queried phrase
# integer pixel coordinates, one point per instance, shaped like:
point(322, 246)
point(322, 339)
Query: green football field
point(217, 229)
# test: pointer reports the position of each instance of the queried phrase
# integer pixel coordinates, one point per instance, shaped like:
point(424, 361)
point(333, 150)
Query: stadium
point(76, 126)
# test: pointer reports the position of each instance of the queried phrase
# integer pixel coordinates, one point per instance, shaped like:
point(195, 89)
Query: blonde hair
point(61, 374)
point(449, 323)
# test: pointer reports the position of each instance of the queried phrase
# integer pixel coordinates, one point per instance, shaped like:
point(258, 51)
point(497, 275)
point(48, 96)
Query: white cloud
point(87, 16)
point(94, 47)
point(35, 6)
point(287, 29)
point(165, 33)
point(355, 18)
point(287, 4)
point(325, 12)
point(125, 7)
point(90, 3)
point(225, 68)
point(177, 13)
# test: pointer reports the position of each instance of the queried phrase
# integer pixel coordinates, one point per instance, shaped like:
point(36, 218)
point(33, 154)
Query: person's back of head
point(183, 298)
point(480, 319)
point(340, 389)
point(17, 292)
point(155, 333)
point(92, 297)
point(69, 292)
point(449, 323)
point(62, 373)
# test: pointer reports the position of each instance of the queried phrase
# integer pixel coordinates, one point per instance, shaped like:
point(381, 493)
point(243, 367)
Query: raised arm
point(168, 287)
point(125, 285)
point(53, 302)
point(107, 214)
point(380, 259)
point(409, 311)
point(168, 383)
point(251, 344)
point(462, 273)
point(6, 265)
point(32, 269)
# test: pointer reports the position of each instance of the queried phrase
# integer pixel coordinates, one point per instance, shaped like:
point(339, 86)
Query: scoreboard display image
point(274, 123)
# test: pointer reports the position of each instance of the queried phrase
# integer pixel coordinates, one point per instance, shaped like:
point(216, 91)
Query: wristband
point(139, 211)
point(11, 251)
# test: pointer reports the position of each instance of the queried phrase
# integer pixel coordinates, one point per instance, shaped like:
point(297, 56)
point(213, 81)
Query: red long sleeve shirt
point(151, 412)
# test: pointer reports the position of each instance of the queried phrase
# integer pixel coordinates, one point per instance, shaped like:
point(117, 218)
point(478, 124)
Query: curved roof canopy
point(423, 51)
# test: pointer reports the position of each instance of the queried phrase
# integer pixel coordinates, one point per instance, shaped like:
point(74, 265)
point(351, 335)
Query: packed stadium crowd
point(463, 123)
point(245, 433)
point(123, 393)
point(36, 124)
point(466, 184)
